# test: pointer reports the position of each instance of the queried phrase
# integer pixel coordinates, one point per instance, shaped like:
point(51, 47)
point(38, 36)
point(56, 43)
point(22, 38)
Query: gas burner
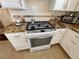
point(32, 27)
point(39, 26)
point(42, 30)
point(47, 26)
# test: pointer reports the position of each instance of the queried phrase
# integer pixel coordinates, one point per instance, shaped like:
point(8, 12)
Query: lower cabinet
point(18, 40)
point(57, 35)
point(70, 43)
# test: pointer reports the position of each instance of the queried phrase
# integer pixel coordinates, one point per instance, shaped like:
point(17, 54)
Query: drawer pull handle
point(73, 42)
point(68, 48)
point(17, 36)
point(77, 37)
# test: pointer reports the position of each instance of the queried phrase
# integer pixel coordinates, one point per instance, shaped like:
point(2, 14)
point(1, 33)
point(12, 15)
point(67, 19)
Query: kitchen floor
point(8, 52)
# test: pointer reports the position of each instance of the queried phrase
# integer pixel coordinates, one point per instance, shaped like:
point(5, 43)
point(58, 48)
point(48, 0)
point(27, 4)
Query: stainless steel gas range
point(39, 35)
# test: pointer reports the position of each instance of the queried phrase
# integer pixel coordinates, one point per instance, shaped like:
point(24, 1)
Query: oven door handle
point(41, 37)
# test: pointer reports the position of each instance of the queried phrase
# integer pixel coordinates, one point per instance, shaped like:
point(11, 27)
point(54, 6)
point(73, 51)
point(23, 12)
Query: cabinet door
point(74, 46)
point(64, 41)
point(73, 49)
point(18, 40)
point(57, 36)
point(77, 6)
point(58, 5)
point(70, 44)
point(71, 5)
point(12, 4)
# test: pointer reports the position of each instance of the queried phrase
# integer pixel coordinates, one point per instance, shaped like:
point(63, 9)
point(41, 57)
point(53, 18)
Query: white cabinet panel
point(18, 40)
point(57, 4)
point(73, 48)
point(70, 44)
point(57, 36)
point(71, 5)
point(11, 4)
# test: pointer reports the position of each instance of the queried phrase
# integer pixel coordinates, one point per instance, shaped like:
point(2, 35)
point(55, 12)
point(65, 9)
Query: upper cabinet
point(72, 5)
point(17, 4)
point(77, 6)
point(27, 4)
point(57, 4)
point(38, 5)
point(64, 5)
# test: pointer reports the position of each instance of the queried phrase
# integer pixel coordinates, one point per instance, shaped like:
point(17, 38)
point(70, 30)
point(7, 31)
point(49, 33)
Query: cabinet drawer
point(18, 40)
point(60, 30)
point(74, 49)
point(16, 35)
point(76, 37)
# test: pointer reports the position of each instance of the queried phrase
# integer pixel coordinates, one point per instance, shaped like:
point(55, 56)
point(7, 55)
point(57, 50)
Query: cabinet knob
point(73, 42)
point(17, 36)
point(68, 48)
point(76, 36)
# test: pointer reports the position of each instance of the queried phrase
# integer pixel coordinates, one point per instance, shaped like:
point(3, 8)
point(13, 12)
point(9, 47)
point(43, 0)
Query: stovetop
point(39, 26)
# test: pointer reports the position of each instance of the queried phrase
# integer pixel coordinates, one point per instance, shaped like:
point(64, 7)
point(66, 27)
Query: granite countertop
point(74, 27)
point(12, 28)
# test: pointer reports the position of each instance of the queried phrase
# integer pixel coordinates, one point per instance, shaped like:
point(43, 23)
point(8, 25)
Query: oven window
point(40, 41)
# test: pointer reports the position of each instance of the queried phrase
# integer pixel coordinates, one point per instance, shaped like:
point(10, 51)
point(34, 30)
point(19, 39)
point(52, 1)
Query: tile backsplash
point(39, 15)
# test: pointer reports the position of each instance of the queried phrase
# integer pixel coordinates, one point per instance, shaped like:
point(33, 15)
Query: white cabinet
point(72, 5)
point(64, 5)
point(77, 6)
point(5, 17)
point(70, 44)
point(57, 36)
point(17, 4)
point(18, 40)
point(58, 5)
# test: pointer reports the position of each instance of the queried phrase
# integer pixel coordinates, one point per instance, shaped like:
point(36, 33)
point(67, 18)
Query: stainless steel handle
point(73, 42)
point(17, 36)
point(68, 48)
point(42, 37)
point(76, 36)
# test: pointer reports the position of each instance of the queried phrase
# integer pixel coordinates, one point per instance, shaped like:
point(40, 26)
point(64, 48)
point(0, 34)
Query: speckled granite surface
point(12, 28)
point(74, 27)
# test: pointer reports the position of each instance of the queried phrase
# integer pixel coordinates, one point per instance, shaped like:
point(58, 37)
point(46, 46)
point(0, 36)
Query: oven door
point(40, 43)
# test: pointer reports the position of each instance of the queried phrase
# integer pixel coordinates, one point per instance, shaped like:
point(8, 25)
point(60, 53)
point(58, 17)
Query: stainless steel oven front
point(40, 42)
point(35, 42)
